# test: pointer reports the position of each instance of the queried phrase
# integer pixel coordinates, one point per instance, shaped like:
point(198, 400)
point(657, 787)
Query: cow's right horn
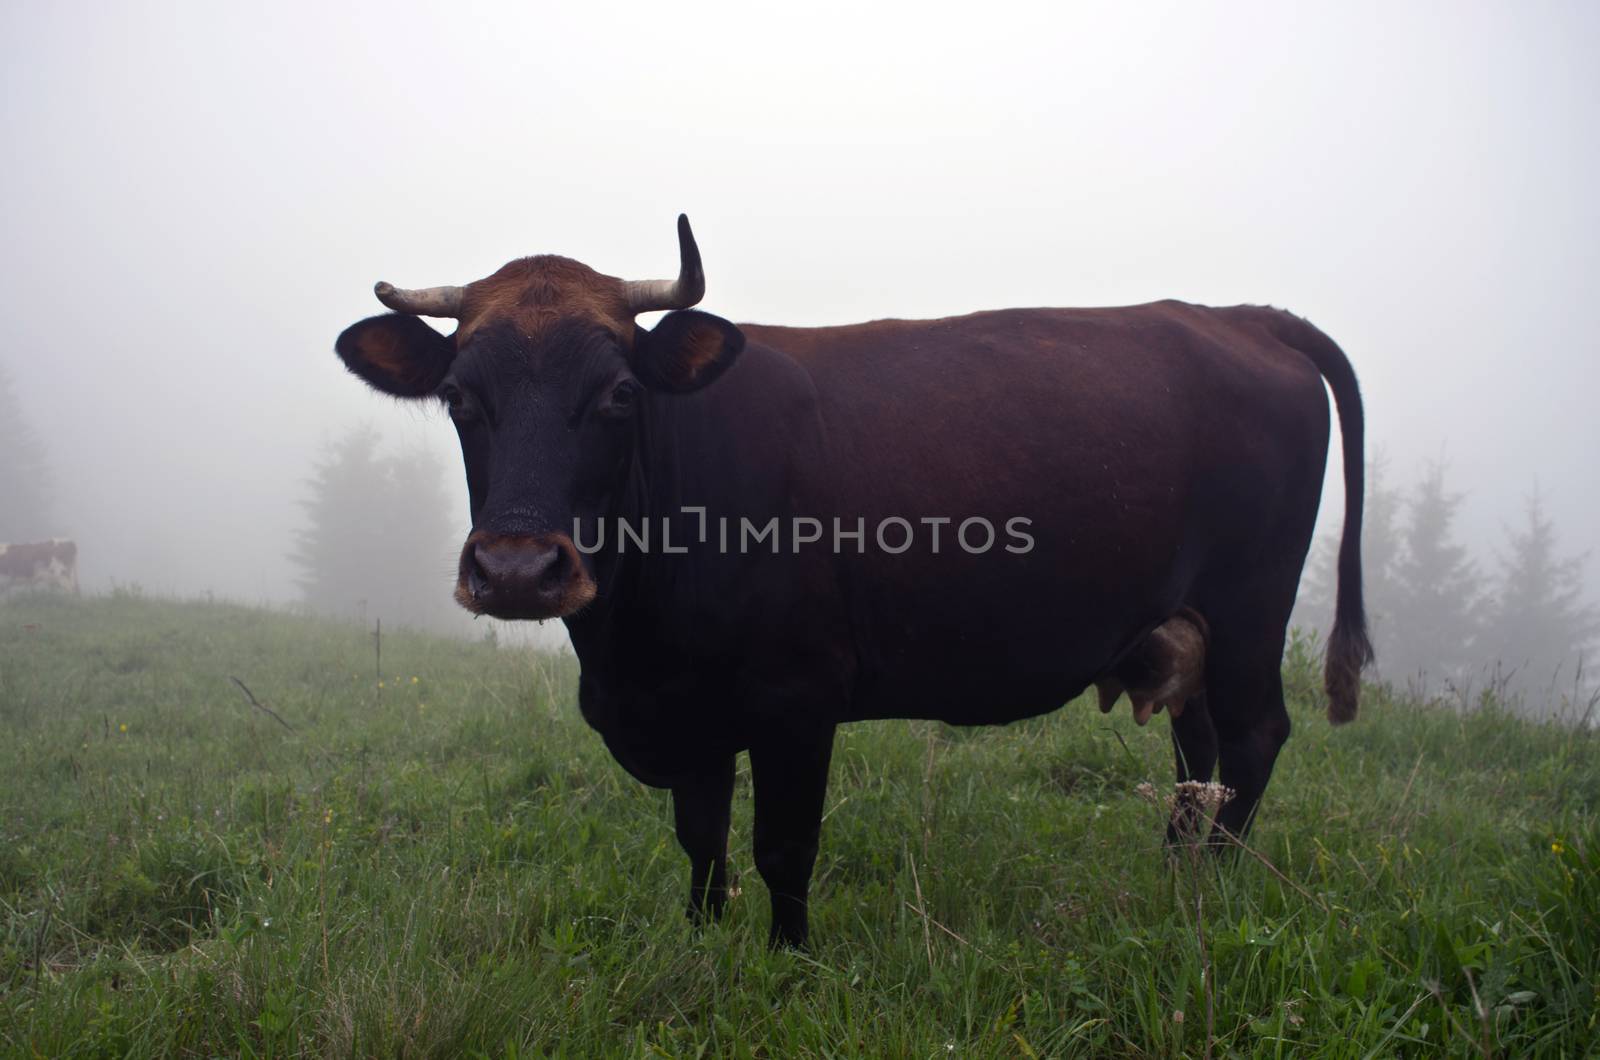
point(425, 301)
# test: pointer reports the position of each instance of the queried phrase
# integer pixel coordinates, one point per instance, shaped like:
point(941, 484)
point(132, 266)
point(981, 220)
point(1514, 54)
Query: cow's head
point(544, 379)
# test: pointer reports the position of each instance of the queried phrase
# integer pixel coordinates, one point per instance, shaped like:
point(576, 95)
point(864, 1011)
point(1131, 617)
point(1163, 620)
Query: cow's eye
point(622, 399)
point(454, 400)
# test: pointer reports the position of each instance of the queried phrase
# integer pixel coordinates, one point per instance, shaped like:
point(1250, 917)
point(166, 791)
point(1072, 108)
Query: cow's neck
point(732, 449)
point(626, 575)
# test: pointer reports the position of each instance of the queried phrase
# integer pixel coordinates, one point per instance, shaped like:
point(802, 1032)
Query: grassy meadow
point(436, 857)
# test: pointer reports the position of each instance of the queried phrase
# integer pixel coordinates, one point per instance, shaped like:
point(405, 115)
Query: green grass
point(452, 865)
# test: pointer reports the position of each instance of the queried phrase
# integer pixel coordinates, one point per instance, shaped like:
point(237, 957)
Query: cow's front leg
point(790, 773)
point(700, 809)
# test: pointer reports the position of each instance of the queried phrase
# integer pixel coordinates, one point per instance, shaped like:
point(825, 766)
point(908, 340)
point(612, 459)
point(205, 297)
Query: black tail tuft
point(1349, 650)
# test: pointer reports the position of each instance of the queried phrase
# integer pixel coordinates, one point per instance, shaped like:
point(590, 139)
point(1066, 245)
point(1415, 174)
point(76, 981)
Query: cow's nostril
point(477, 579)
point(551, 570)
point(498, 565)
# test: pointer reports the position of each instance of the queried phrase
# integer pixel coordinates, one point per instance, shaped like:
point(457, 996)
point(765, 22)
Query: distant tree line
point(1444, 620)
point(381, 536)
point(26, 511)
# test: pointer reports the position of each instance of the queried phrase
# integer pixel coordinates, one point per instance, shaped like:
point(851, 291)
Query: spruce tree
point(1436, 605)
point(1539, 626)
point(26, 512)
point(379, 539)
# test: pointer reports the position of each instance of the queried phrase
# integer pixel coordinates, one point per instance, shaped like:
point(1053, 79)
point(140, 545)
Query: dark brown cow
point(39, 565)
point(757, 533)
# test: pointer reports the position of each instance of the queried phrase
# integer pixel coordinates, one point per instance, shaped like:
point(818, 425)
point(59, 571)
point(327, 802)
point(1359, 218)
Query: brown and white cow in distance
point(39, 565)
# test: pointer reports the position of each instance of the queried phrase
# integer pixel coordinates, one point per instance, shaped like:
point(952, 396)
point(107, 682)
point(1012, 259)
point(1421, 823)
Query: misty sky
point(198, 197)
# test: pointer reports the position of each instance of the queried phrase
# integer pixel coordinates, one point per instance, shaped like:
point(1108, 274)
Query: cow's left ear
point(685, 351)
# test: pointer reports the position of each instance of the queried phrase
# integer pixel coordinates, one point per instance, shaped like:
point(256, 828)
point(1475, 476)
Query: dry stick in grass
point(917, 886)
point(926, 919)
point(1205, 957)
point(930, 920)
point(254, 702)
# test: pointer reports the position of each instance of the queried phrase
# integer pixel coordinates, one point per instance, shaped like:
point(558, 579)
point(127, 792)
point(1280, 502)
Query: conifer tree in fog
point(1437, 606)
point(1539, 626)
point(378, 541)
point(1437, 620)
point(25, 494)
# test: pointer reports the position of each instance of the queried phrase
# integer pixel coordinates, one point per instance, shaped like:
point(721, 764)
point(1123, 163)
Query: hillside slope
point(438, 858)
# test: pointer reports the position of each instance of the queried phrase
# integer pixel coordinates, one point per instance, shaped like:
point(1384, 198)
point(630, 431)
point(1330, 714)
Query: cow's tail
point(1349, 648)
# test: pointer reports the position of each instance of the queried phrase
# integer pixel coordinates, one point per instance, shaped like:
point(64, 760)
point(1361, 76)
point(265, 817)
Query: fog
point(199, 197)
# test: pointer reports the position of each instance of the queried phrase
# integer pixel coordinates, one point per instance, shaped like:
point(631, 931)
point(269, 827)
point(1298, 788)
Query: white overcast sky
point(198, 197)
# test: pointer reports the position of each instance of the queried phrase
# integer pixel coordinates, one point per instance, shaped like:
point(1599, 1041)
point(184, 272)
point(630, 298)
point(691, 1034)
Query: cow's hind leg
point(1194, 749)
point(790, 773)
point(1244, 691)
point(701, 805)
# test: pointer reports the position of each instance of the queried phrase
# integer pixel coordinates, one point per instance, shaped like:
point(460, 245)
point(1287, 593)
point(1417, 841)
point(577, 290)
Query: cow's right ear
point(397, 354)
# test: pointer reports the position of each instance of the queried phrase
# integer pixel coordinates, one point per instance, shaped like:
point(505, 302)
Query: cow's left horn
point(685, 291)
point(425, 301)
